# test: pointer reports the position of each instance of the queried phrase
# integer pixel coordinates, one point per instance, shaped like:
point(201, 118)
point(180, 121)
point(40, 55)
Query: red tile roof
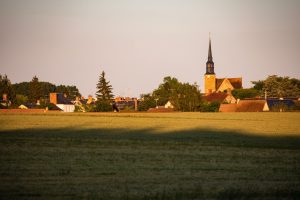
point(228, 107)
point(220, 96)
point(250, 106)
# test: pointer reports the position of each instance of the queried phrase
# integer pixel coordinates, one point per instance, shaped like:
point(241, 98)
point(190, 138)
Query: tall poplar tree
point(35, 92)
point(104, 89)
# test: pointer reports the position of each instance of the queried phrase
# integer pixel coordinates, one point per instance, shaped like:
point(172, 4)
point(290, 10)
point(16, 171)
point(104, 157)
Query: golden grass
point(271, 124)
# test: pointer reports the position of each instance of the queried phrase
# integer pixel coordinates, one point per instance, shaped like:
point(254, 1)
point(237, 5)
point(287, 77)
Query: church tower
point(210, 76)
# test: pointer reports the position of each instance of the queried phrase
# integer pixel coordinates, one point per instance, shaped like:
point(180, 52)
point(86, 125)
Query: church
point(212, 84)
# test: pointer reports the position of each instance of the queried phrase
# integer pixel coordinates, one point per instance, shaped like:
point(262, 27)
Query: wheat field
point(150, 156)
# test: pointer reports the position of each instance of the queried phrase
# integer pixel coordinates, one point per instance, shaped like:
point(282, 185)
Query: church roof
point(235, 82)
point(220, 96)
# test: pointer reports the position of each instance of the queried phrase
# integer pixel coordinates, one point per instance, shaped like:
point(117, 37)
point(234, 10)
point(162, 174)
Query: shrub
point(103, 106)
point(210, 106)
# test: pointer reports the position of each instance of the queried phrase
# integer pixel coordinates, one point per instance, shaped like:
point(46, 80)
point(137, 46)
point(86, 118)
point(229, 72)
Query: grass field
point(150, 156)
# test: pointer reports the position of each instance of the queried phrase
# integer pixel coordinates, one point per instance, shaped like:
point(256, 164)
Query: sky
point(139, 42)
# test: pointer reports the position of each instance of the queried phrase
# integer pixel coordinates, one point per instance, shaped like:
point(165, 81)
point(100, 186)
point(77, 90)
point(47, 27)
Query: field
point(150, 156)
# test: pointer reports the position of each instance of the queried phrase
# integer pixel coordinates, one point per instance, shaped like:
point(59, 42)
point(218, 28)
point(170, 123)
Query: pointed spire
point(209, 50)
point(209, 63)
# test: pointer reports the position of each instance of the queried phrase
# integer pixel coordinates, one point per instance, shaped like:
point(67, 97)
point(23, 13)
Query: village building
point(126, 103)
point(213, 84)
point(61, 102)
point(169, 105)
point(259, 105)
point(220, 97)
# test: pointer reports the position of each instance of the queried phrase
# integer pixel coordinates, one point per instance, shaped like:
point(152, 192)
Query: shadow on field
point(72, 163)
point(206, 137)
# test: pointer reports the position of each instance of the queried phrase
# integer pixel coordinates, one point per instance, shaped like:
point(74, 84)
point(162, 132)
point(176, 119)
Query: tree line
point(184, 97)
point(30, 92)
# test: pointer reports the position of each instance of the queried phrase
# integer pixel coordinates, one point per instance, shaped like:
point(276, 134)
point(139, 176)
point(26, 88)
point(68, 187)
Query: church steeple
point(210, 63)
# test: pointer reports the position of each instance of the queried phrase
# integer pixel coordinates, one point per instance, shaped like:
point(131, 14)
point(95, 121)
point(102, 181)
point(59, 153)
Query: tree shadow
point(206, 137)
point(120, 164)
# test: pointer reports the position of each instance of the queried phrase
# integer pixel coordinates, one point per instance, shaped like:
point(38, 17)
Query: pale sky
point(138, 42)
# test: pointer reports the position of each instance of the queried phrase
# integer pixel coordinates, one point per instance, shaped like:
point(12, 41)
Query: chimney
point(4, 96)
point(53, 98)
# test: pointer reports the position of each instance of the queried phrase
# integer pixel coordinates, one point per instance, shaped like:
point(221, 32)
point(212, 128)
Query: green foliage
point(21, 88)
point(89, 107)
point(103, 106)
point(277, 86)
point(70, 91)
point(21, 99)
point(104, 89)
point(258, 85)
point(210, 106)
point(79, 108)
point(245, 93)
point(147, 102)
point(35, 91)
point(6, 88)
point(46, 88)
point(183, 96)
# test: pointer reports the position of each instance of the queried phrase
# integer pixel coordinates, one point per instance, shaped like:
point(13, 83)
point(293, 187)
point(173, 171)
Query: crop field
point(150, 156)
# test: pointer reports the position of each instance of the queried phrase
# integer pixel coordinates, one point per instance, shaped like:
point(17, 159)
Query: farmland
point(150, 156)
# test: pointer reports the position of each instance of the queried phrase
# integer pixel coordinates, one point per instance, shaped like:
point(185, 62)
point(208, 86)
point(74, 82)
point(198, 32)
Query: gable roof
point(235, 82)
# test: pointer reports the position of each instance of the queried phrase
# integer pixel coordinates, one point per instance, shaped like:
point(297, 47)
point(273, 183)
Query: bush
point(103, 106)
point(210, 107)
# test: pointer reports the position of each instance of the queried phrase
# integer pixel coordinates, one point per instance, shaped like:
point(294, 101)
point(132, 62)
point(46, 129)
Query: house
point(252, 106)
point(4, 103)
point(221, 97)
point(245, 106)
point(212, 83)
point(125, 103)
point(228, 107)
point(280, 104)
point(169, 105)
point(258, 105)
point(61, 102)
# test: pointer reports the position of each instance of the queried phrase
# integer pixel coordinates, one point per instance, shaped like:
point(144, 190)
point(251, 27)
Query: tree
point(210, 106)
point(147, 102)
point(104, 95)
point(245, 93)
point(35, 92)
point(276, 86)
point(183, 96)
point(6, 88)
point(104, 89)
point(70, 91)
